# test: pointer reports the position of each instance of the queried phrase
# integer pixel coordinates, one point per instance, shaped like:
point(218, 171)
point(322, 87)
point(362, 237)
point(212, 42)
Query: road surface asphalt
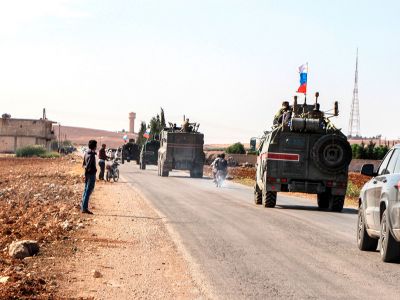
point(238, 250)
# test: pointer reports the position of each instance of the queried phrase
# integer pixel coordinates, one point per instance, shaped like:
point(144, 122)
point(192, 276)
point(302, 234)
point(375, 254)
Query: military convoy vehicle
point(130, 151)
point(304, 152)
point(181, 149)
point(149, 153)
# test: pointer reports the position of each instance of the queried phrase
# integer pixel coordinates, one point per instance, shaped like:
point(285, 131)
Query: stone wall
point(17, 133)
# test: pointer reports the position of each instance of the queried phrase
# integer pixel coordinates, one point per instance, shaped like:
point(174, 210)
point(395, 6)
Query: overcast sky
point(225, 64)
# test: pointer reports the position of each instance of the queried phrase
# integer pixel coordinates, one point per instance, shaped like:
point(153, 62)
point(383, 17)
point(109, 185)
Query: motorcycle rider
point(214, 167)
point(222, 165)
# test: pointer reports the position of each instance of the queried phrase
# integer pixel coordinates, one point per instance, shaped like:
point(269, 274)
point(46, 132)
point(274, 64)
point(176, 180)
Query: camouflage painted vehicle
point(181, 149)
point(149, 153)
point(130, 151)
point(304, 153)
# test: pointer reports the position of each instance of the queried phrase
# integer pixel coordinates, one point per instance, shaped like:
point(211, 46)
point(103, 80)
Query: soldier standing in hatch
point(185, 126)
point(280, 114)
point(89, 163)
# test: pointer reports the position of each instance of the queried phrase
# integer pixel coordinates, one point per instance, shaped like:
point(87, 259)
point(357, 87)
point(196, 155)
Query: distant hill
point(81, 136)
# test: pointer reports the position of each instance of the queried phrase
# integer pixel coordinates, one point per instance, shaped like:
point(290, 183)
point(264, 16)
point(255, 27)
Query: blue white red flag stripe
point(303, 70)
point(146, 134)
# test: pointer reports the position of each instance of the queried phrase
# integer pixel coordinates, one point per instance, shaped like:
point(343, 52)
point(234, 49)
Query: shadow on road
point(127, 216)
point(314, 208)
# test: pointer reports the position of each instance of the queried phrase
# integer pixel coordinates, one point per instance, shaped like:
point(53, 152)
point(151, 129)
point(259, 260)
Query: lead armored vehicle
point(149, 153)
point(304, 152)
point(181, 149)
point(130, 151)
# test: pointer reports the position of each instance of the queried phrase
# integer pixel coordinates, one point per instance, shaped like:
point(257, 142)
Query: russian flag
point(147, 134)
point(303, 70)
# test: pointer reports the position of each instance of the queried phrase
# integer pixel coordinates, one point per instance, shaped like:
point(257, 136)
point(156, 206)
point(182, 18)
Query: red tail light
point(397, 186)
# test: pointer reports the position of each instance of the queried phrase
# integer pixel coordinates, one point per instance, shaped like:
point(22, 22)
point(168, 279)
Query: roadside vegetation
point(369, 151)
point(35, 151)
point(237, 148)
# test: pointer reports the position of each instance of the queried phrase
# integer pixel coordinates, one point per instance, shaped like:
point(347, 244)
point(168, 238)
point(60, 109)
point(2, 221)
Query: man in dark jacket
point(89, 163)
point(102, 161)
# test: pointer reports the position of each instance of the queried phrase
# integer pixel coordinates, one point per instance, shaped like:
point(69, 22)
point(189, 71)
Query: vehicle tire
point(108, 176)
point(390, 249)
point(257, 195)
point(323, 200)
point(331, 154)
point(336, 203)
point(164, 172)
point(196, 172)
point(269, 198)
point(116, 175)
point(364, 241)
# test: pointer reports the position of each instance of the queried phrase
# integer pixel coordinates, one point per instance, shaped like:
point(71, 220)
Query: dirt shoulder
point(128, 248)
point(39, 200)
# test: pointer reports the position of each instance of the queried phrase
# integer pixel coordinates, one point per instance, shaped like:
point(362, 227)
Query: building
point(132, 117)
point(17, 133)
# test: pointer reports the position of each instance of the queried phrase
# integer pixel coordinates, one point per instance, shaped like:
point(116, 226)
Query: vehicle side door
point(382, 180)
point(385, 169)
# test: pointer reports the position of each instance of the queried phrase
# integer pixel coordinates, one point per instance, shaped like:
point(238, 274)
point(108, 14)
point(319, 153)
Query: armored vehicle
point(304, 153)
point(181, 149)
point(130, 151)
point(149, 153)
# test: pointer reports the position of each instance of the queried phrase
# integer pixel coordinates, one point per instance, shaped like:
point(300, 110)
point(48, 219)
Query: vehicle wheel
point(331, 154)
point(116, 175)
point(269, 198)
point(108, 176)
point(323, 200)
point(364, 241)
point(257, 195)
point(336, 203)
point(196, 172)
point(390, 249)
point(164, 173)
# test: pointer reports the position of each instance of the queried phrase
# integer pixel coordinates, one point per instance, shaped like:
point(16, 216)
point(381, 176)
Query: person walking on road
point(102, 161)
point(89, 163)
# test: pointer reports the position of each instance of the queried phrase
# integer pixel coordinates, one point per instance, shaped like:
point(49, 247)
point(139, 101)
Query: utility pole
point(354, 122)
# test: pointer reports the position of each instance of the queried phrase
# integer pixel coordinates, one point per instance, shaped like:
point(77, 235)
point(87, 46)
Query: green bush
point(236, 148)
point(370, 151)
point(35, 150)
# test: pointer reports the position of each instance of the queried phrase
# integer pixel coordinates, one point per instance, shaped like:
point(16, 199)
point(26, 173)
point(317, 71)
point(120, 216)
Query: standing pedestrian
point(102, 161)
point(89, 163)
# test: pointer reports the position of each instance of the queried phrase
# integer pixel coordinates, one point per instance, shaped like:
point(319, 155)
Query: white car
point(379, 212)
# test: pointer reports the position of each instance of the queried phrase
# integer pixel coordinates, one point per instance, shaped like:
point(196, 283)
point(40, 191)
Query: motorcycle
point(112, 171)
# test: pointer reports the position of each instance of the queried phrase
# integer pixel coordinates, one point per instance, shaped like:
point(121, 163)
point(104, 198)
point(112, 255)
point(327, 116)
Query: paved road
point(246, 251)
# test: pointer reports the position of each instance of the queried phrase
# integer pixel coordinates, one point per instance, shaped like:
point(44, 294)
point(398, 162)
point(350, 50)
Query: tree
point(162, 119)
point(236, 148)
point(141, 139)
point(155, 125)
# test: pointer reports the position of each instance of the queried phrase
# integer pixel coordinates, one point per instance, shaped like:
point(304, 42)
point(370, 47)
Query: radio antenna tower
point(354, 122)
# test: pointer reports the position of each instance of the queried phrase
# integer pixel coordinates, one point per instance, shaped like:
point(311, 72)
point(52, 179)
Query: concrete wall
point(17, 133)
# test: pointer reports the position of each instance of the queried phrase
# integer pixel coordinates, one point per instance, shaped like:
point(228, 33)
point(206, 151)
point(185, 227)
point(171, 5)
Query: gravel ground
point(39, 200)
point(126, 253)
